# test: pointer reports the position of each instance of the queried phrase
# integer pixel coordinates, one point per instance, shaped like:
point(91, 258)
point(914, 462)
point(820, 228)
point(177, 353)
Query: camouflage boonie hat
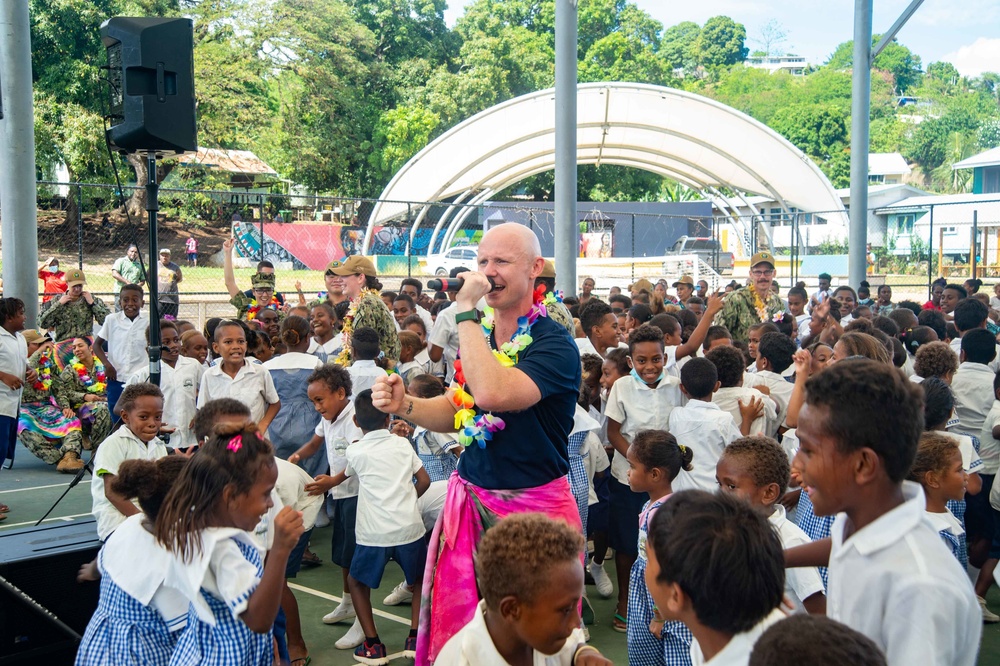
point(263, 281)
point(75, 277)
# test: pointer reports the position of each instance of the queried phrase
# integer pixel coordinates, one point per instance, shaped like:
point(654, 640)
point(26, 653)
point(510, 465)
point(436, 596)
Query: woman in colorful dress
point(42, 426)
point(359, 282)
point(81, 392)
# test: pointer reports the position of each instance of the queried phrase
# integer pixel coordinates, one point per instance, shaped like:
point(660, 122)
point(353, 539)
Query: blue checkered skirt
point(578, 481)
point(674, 649)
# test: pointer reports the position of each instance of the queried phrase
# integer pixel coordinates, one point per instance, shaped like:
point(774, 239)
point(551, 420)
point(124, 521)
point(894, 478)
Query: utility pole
point(857, 258)
point(566, 231)
point(17, 159)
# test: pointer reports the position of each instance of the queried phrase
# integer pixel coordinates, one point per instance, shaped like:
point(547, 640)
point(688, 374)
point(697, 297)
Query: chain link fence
point(83, 225)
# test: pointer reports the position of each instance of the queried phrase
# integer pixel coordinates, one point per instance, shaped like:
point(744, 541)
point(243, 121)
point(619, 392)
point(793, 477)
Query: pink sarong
point(450, 595)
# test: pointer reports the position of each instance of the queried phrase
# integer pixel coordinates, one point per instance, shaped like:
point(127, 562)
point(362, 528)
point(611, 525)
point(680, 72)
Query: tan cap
point(685, 279)
point(74, 277)
point(165, 251)
point(641, 284)
point(352, 266)
point(31, 336)
point(548, 270)
point(762, 258)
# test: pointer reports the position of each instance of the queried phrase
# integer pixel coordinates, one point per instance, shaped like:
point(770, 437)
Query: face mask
point(53, 269)
point(658, 379)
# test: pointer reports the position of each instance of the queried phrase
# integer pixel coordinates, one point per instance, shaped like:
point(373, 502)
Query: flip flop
point(302, 661)
point(620, 624)
point(313, 561)
point(4, 508)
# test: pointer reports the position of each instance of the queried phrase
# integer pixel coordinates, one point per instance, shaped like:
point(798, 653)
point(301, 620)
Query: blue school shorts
point(345, 515)
point(295, 557)
point(369, 562)
point(623, 528)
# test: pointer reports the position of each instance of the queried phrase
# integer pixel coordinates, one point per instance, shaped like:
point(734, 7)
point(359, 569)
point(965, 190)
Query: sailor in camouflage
point(754, 304)
point(74, 314)
point(263, 297)
point(357, 279)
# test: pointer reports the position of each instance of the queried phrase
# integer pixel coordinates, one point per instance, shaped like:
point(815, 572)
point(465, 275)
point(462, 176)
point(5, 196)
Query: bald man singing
point(522, 467)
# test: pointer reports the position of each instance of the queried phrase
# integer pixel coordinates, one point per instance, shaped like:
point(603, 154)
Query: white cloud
point(982, 55)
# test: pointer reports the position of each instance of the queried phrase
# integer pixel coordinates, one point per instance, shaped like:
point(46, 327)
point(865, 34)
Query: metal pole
point(566, 231)
point(860, 109)
point(18, 206)
point(633, 247)
point(409, 246)
point(152, 257)
point(975, 242)
point(930, 255)
point(260, 202)
point(79, 227)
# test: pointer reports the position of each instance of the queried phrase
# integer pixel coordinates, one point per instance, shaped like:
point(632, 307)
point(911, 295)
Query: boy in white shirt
point(756, 469)
point(890, 576)
point(600, 328)
point(141, 415)
point(123, 333)
point(732, 393)
point(697, 536)
point(364, 371)
point(704, 426)
point(774, 357)
point(330, 390)
point(973, 383)
point(389, 525)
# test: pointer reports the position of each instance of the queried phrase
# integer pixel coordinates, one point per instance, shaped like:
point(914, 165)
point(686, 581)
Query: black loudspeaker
point(43, 610)
point(151, 74)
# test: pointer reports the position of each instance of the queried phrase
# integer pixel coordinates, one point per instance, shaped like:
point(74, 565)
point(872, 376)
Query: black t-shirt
point(531, 450)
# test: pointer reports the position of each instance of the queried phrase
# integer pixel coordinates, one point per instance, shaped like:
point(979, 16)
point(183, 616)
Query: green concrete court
point(31, 487)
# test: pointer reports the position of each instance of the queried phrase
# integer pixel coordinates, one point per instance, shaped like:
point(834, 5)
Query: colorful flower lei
point(759, 305)
point(480, 428)
point(344, 357)
point(254, 308)
point(95, 384)
point(45, 368)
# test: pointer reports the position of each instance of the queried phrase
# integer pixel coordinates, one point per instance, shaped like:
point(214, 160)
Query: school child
point(529, 574)
point(858, 433)
point(329, 389)
point(938, 469)
point(678, 348)
point(365, 369)
point(756, 469)
point(815, 640)
point(717, 336)
point(728, 362)
point(297, 420)
point(642, 400)
point(600, 329)
point(702, 426)
point(715, 564)
point(581, 438)
point(235, 376)
point(409, 347)
point(654, 459)
point(194, 346)
point(389, 526)
point(416, 324)
point(180, 378)
point(206, 521)
point(774, 364)
point(122, 333)
point(142, 414)
point(438, 451)
point(797, 301)
point(14, 356)
point(934, 359)
point(973, 382)
point(137, 618)
point(325, 342)
point(754, 334)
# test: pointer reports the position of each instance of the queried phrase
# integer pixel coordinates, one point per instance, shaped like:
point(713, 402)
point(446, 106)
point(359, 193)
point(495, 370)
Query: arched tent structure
point(694, 140)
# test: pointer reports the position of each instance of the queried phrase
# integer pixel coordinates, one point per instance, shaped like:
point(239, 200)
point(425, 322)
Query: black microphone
point(452, 284)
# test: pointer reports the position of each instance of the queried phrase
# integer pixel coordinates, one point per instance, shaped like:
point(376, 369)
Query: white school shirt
point(338, 435)
point(126, 343)
point(431, 503)
point(330, 348)
point(252, 386)
point(972, 386)
point(707, 430)
point(587, 347)
point(897, 583)
point(802, 327)
point(364, 374)
point(780, 388)
point(989, 448)
point(425, 316)
point(444, 334)
point(14, 361)
point(971, 462)
point(956, 346)
point(384, 464)
point(637, 406)
point(737, 650)
point(180, 397)
point(473, 646)
point(800, 582)
point(219, 568)
point(121, 445)
point(595, 460)
point(728, 399)
point(290, 487)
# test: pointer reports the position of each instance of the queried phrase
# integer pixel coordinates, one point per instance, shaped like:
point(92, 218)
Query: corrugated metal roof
point(989, 158)
point(232, 161)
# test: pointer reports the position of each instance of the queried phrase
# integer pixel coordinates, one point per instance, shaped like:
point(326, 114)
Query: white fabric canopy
point(689, 138)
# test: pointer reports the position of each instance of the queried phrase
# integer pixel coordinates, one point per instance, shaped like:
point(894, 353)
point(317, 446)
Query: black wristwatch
point(469, 315)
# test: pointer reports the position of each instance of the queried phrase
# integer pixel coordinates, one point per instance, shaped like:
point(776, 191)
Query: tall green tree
point(901, 62)
point(722, 43)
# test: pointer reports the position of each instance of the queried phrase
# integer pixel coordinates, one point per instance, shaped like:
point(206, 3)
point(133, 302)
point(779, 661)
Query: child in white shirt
point(939, 470)
point(774, 357)
point(364, 369)
point(123, 333)
point(141, 414)
point(237, 377)
point(389, 525)
point(732, 393)
point(438, 451)
point(703, 426)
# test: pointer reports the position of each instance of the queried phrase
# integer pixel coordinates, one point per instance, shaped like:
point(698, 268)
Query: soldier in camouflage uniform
point(262, 283)
point(77, 399)
point(358, 281)
point(74, 314)
point(42, 427)
point(754, 304)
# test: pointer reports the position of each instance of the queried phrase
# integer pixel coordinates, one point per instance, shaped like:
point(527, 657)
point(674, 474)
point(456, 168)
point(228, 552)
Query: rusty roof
point(232, 161)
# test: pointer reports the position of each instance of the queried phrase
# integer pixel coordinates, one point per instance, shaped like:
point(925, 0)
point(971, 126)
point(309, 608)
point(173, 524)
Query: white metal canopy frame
point(679, 135)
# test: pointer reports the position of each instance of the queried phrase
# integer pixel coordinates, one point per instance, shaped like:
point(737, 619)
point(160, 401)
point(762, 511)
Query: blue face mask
point(638, 378)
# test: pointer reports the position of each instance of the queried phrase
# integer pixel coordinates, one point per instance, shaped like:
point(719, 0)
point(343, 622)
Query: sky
point(965, 33)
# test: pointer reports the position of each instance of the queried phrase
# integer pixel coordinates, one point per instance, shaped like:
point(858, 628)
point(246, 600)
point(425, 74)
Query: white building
point(887, 169)
point(792, 64)
point(949, 220)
